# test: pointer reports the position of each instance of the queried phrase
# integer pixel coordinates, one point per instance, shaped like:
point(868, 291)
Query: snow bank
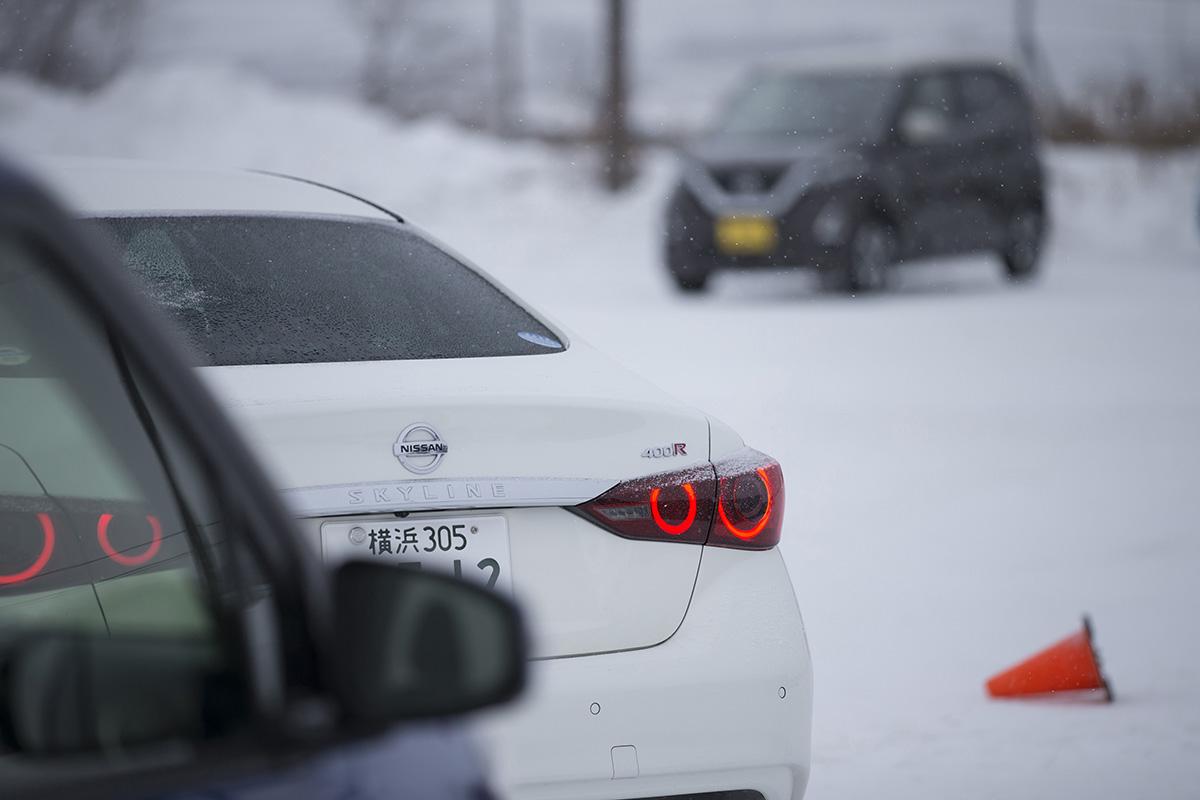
point(217, 115)
point(467, 188)
point(1109, 197)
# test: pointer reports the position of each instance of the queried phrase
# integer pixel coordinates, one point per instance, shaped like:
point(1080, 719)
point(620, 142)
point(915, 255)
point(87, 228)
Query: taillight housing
point(749, 502)
point(25, 558)
point(671, 506)
point(735, 502)
point(36, 554)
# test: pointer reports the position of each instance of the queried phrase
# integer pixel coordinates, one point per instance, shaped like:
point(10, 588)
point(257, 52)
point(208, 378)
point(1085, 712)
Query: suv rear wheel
point(870, 254)
point(1023, 243)
point(685, 271)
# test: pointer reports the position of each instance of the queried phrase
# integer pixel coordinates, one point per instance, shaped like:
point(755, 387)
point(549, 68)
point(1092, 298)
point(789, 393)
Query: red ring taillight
point(669, 506)
point(678, 528)
point(755, 528)
point(645, 508)
point(118, 557)
point(760, 526)
point(43, 558)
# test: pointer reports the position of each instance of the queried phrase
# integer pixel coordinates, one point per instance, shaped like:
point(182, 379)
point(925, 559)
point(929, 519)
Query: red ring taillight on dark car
point(127, 559)
point(27, 569)
point(31, 548)
point(736, 502)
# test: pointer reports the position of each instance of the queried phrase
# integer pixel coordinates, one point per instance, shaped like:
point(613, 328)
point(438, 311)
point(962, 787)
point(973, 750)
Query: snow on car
point(418, 413)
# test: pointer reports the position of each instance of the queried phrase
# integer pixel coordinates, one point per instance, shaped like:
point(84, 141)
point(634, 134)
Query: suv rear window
point(993, 104)
point(848, 106)
point(294, 290)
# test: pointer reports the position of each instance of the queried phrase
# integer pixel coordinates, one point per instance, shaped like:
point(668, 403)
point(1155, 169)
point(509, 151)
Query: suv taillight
point(736, 502)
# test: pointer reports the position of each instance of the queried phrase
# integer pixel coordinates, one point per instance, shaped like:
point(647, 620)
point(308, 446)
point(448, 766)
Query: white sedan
point(419, 413)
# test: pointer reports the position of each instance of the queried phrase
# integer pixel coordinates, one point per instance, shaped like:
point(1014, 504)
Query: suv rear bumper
point(703, 711)
point(691, 226)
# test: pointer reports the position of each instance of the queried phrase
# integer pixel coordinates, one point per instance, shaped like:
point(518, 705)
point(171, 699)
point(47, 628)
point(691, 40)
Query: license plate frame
point(484, 556)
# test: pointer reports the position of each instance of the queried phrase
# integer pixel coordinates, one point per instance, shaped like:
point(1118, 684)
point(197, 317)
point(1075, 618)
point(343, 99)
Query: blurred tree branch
point(77, 43)
point(420, 59)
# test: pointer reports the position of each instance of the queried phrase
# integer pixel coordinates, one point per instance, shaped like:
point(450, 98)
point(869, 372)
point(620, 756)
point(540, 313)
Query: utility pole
point(1023, 24)
point(1037, 69)
point(1175, 49)
point(618, 166)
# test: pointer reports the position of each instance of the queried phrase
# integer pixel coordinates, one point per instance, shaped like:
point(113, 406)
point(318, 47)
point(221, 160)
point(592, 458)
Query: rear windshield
point(295, 290)
point(843, 107)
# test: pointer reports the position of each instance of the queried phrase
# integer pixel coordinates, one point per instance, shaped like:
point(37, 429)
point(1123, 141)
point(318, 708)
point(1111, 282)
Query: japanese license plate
point(746, 235)
point(473, 548)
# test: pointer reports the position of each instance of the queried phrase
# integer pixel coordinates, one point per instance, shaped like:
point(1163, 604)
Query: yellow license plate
point(746, 235)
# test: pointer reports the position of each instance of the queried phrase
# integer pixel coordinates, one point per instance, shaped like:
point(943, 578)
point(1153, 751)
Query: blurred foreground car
point(163, 630)
point(419, 414)
point(853, 169)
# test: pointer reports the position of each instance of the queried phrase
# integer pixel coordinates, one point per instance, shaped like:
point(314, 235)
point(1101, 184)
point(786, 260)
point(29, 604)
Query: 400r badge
point(666, 451)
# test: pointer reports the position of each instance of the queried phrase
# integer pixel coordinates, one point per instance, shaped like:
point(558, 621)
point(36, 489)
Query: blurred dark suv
point(851, 170)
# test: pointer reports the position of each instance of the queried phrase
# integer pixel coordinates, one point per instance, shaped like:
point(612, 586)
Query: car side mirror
point(923, 126)
point(415, 644)
point(68, 692)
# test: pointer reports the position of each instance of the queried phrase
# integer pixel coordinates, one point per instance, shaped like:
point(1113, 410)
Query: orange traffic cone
point(1069, 665)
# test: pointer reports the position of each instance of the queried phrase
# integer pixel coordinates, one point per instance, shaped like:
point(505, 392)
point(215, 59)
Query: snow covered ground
point(970, 465)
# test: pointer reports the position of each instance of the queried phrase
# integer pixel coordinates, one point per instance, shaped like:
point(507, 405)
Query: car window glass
point(844, 107)
point(934, 93)
point(109, 530)
point(86, 510)
point(991, 105)
point(107, 526)
point(288, 290)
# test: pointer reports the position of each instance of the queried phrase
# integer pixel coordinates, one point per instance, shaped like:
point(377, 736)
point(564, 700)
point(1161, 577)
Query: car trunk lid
point(521, 438)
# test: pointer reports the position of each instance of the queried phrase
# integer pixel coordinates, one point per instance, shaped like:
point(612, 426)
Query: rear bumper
point(702, 712)
point(691, 227)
